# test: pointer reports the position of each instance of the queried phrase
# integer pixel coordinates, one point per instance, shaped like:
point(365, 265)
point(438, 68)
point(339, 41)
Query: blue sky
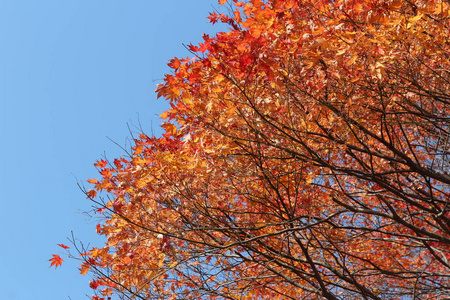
point(73, 73)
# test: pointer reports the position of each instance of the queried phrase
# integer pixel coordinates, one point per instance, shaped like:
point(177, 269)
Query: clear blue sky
point(73, 73)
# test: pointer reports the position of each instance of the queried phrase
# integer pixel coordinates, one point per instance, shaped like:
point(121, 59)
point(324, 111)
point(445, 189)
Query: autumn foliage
point(305, 156)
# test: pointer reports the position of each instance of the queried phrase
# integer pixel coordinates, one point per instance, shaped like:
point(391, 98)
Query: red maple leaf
point(63, 246)
point(56, 260)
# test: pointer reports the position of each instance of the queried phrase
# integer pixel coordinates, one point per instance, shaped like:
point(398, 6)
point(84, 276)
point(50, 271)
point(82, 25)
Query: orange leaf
point(56, 260)
point(101, 164)
point(91, 193)
point(84, 268)
point(93, 181)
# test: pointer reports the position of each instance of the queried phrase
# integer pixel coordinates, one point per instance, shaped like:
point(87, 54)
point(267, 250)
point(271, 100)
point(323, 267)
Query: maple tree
point(305, 156)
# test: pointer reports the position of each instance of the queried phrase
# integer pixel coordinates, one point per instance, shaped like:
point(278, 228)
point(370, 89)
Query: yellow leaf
point(342, 51)
point(416, 18)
